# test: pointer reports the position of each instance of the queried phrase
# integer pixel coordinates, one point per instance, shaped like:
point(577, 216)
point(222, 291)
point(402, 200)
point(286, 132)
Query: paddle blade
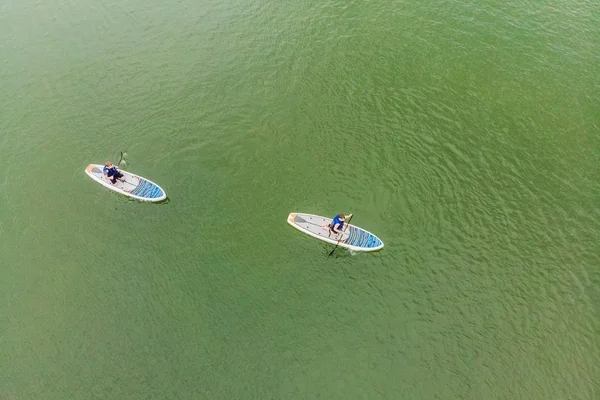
point(122, 159)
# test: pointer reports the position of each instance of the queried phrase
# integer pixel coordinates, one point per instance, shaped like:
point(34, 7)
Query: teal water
point(464, 135)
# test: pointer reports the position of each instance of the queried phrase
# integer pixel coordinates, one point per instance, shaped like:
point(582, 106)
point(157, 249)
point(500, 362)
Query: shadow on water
point(154, 203)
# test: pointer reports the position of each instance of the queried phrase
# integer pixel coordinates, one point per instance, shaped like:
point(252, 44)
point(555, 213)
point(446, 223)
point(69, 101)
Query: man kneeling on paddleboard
point(111, 172)
point(337, 224)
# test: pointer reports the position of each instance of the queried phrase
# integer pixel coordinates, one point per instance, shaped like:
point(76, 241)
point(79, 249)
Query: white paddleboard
point(352, 237)
point(130, 185)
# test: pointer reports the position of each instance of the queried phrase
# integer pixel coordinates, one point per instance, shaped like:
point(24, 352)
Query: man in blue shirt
point(111, 172)
point(337, 224)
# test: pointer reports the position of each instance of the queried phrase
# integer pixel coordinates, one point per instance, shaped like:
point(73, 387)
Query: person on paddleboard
point(111, 172)
point(337, 224)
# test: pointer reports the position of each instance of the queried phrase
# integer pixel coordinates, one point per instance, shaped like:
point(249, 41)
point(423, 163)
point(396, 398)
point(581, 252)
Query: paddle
point(338, 242)
point(119, 164)
point(123, 154)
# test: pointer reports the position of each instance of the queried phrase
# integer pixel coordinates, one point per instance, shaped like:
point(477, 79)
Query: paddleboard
point(352, 237)
point(130, 185)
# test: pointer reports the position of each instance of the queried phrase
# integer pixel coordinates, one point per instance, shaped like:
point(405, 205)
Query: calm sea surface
point(466, 135)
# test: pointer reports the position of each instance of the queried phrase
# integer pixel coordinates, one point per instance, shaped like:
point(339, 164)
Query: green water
point(466, 135)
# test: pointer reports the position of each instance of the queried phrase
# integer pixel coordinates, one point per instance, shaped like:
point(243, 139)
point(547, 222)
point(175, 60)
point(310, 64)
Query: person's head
point(108, 164)
point(342, 217)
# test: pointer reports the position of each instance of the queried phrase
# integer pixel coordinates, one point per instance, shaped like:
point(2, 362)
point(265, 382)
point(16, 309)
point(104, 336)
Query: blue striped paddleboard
point(353, 237)
point(131, 185)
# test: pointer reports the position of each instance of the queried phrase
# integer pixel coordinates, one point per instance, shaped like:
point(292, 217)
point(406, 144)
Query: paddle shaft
point(345, 227)
point(124, 181)
point(129, 183)
point(118, 165)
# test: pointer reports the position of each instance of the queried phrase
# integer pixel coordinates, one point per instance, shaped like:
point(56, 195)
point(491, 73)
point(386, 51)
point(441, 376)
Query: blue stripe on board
point(368, 237)
point(372, 241)
point(363, 242)
point(360, 238)
point(139, 186)
point(354, 238)
point(147, 190)
point(350, 235)
point(351, 239)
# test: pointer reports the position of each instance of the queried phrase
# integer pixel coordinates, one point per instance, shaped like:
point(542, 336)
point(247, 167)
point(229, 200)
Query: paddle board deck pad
point(130, 185)
point(353, 237)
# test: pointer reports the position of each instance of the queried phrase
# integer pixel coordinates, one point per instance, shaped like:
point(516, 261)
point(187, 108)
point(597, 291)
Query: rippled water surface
point(466, 135)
